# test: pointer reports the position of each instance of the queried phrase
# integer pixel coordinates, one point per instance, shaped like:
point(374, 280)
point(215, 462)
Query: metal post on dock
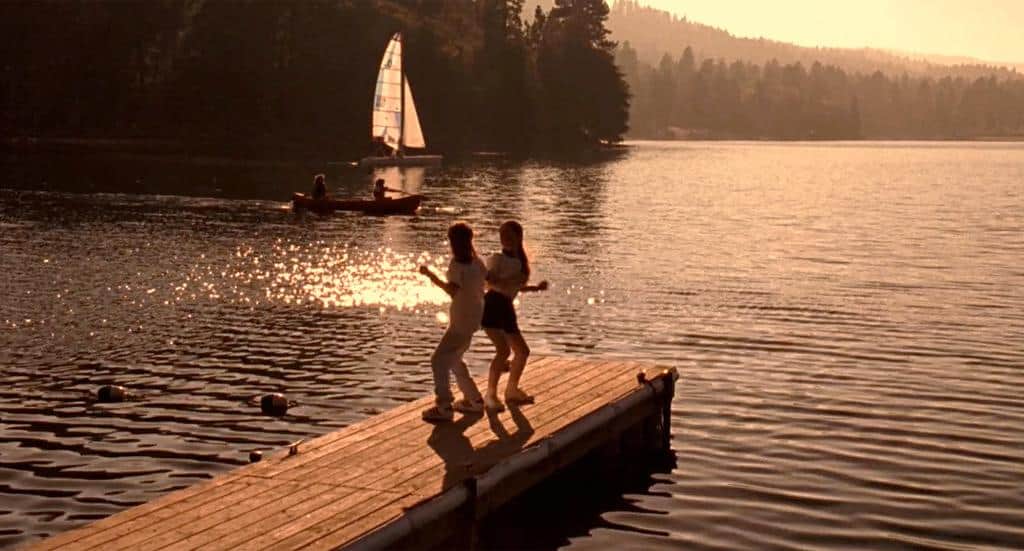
point(666, 408)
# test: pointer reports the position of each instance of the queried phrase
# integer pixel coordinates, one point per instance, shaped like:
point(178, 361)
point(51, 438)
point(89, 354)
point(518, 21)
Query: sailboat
point(395, 122)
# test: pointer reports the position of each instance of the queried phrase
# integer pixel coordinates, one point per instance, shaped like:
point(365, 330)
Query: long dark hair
point(520, 251)
point(460, 235)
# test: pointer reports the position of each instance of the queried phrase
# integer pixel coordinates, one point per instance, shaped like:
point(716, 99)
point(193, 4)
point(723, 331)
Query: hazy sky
point(987, 29)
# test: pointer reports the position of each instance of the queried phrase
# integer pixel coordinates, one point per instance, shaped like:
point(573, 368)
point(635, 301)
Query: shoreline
point(274, 155)
point(969, 139)
point(291, 156)
point(198, 152)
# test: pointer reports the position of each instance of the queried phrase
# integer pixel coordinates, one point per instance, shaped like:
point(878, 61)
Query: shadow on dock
point(462, 460)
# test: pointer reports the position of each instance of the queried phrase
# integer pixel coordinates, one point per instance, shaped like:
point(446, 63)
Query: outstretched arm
point(542, 286)
point(446, 286)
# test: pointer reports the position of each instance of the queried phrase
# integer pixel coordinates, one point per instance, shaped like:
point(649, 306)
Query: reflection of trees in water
point(571, 199)
point(408, 179)
point(484, 194)
point(160, 174)
point(563, 201)
point(567, 225)
point(170, 175)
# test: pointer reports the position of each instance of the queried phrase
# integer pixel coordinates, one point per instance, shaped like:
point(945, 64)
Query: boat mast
point(401, 105)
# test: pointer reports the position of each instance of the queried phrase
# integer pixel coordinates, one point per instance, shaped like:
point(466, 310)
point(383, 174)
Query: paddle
point(398, 191)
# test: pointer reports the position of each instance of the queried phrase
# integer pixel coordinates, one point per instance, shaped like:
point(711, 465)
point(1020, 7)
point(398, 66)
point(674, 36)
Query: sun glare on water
point(325, 275)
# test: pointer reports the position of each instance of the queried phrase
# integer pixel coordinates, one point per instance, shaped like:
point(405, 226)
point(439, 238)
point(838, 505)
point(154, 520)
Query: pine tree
point(586, 97)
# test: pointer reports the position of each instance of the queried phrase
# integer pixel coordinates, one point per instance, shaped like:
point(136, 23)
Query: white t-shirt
point(468, 303)
point(506, 273)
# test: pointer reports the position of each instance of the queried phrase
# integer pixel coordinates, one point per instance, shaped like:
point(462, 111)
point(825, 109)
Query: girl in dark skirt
point(507, 274)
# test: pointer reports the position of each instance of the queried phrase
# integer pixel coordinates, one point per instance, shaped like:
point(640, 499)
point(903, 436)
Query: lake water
point(848, 321)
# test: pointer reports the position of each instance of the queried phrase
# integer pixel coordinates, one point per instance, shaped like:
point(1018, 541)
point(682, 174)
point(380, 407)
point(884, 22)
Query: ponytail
point(521, 253)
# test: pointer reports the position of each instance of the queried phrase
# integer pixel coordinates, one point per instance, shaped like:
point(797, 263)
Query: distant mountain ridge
point(955, 60)
point(654, 33)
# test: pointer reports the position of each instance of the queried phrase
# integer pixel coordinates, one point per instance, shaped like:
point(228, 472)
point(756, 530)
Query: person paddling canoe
point(379, 189)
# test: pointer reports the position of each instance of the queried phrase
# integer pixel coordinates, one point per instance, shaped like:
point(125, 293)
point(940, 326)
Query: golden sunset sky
point(991, 30)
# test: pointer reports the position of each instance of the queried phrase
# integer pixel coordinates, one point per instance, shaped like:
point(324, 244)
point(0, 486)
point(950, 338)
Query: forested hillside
point(653, 33)
point(287, 78)
point(718, 99)
point(725, 87)
point(252, 77)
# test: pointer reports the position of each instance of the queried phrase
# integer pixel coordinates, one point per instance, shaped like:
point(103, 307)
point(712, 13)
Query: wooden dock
point(393, 478)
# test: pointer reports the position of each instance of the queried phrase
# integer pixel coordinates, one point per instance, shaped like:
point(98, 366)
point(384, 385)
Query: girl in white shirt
point(465, 284)
point(507, 274)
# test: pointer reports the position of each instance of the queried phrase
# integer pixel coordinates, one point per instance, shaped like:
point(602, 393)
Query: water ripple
point(847, 320)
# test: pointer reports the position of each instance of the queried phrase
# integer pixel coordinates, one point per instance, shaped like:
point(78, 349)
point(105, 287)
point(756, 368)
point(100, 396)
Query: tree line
point(682, 97)
point(297, 78)
point(652, 32)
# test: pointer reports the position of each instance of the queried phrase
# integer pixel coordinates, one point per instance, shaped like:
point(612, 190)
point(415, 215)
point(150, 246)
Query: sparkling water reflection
point(847, 319)
point(317, 273)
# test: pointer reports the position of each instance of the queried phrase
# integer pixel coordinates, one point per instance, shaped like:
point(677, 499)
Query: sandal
point(469, 406)
point(492, 404)
point(438, 415)
point(517, 396)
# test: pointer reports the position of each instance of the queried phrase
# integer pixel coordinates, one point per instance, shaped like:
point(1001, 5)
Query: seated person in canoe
point(319, 187)
point(379, 189)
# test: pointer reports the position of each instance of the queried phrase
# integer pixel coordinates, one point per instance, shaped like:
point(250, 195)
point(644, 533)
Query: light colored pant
point(447, 358)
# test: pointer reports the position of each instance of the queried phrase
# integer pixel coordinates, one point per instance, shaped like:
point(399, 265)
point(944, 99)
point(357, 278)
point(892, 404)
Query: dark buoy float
point(111, 393)
point(274, 404)
point(255, 456)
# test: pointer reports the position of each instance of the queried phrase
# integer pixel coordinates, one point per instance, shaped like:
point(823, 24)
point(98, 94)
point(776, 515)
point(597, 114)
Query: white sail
point(413, 134)
point(387, 102)
point(387, 97)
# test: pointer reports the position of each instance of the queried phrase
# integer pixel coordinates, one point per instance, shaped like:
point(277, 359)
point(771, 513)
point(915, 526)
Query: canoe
point(398, 205)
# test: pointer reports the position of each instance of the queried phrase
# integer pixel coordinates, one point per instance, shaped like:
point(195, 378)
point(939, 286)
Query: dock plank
point(383, 461)
point(353, 531)
point(373, 454)
point(344, 518)
point(130, 529)
point(260, 522)
point(346, 484)
point(291, 528)
point(150, 531)
point(161, 507)
point(428, 477)
point(407, 422)
point(248, 516)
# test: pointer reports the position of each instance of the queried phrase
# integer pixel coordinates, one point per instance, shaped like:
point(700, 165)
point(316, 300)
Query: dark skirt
point(499, 313)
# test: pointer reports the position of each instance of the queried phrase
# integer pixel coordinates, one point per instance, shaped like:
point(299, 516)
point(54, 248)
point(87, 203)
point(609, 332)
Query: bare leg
point(520, 354)
point(501, 354)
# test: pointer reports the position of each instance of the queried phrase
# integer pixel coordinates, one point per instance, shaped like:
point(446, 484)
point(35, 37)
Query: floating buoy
point(112, 393)
point(255, 456)
point(274, 404)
